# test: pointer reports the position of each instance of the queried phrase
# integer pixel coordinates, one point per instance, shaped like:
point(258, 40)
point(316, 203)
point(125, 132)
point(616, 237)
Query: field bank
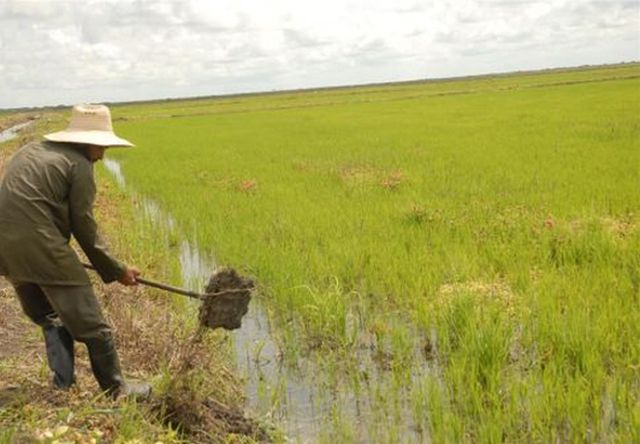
point(474, 243)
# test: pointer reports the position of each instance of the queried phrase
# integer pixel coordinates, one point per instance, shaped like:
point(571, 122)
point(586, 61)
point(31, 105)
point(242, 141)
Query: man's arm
point(84, 228)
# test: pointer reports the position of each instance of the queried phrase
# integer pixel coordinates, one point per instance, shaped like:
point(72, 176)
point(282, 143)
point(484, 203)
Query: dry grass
point(197, 394)
point(248, 185)
point(482, 292)
point(620, 227)
point(368, 175)
point(200, 396)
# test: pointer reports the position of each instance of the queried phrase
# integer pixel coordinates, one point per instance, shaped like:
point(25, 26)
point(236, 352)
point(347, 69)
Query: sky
point(61, 52)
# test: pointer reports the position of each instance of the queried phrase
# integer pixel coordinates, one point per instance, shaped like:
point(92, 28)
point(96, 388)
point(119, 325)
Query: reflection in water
point(194, 267)
point(161, 220)
point(114, 168)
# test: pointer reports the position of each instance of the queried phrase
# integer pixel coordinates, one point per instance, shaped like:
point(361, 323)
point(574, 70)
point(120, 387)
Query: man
point(46, 195)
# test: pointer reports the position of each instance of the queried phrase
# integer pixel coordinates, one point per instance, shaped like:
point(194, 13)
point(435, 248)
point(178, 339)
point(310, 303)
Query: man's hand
point(129, 277)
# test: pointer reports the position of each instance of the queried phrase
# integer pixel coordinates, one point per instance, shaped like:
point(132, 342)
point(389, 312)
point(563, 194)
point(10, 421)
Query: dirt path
point(21, 348)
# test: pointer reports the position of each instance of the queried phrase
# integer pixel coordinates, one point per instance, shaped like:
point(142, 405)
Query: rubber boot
point(106, 369)
point(59, 345)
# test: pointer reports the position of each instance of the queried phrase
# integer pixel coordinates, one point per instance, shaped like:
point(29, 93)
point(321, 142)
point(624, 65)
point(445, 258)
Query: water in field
point(302, 395)
point(299, 394)
point(113, 166)
point(12, 133)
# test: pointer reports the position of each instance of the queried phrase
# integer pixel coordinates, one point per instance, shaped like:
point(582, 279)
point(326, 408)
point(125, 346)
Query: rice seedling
point(460, 258)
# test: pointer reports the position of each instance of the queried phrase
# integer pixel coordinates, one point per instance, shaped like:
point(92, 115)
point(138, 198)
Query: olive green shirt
point(46, 195)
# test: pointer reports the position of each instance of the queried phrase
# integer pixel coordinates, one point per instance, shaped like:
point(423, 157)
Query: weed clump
point(226, 300)
point(199, 399)
point(203, 419)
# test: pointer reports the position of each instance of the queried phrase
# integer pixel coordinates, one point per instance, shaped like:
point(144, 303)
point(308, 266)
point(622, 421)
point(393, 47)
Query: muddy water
point(257, 353)
point(297, 394)
point(271, 388)
point(12, 133)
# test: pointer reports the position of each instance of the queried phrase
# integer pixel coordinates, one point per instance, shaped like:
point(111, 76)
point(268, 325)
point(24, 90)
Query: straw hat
point(89, 124)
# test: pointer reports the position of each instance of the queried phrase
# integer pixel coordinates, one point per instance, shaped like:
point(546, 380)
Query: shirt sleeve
point(83, 225)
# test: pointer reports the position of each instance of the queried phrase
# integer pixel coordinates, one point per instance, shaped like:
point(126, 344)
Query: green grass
point(494, 219)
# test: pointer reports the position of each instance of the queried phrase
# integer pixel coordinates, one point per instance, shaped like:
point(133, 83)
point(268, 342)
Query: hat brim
point(101, 138)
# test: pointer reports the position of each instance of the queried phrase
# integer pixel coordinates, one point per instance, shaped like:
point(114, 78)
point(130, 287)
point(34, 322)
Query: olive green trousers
point(67, 314)
point(74, 307)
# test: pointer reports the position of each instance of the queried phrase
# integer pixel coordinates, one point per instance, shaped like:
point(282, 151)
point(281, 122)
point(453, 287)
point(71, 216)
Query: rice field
point(441, 261)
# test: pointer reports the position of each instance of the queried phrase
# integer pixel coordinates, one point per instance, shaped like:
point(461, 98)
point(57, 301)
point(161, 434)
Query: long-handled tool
point(161, 286)
point(225, 302)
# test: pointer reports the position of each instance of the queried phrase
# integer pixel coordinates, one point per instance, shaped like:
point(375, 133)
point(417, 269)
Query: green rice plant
point(445, 425)
point(326, 315)
point(490, 222)
point(7, 436)
point(342, 429)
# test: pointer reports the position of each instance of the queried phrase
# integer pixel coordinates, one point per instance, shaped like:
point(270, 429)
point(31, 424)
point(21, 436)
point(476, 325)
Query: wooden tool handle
point(160, 285)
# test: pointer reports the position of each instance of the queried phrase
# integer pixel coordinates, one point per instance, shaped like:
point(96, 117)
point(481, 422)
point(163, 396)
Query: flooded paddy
point(307, 396)
point(423, 274)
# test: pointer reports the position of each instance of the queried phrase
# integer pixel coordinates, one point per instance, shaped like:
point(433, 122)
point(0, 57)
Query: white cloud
point(66, 51)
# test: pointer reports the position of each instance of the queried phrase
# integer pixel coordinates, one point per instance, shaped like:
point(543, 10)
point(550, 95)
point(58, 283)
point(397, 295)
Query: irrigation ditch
point(309, 400)
point(13, 131)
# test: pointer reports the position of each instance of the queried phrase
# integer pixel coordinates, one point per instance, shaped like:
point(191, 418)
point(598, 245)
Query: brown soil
point(226, 301)
point(195, 417)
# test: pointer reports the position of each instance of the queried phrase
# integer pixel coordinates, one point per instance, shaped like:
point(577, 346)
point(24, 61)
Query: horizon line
point(327, 88)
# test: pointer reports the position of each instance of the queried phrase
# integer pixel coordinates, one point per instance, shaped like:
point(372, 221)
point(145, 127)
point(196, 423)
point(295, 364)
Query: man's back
point(46, 194)
point(36, 183)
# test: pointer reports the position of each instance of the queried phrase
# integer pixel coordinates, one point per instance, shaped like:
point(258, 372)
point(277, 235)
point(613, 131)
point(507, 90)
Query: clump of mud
point(202, 420)
point(200, 399)
point(226, 300)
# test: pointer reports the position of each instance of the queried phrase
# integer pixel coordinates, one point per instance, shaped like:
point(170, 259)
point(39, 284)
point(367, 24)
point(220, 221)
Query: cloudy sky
point(69, 51)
